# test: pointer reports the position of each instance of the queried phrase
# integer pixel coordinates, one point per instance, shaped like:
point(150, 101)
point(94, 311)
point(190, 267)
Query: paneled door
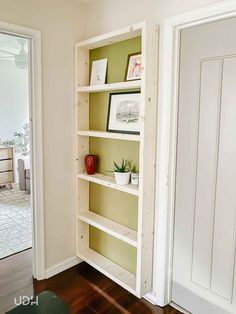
point(205, 199)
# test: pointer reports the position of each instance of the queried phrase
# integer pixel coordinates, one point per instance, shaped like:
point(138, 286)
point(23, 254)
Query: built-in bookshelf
point(114, 223)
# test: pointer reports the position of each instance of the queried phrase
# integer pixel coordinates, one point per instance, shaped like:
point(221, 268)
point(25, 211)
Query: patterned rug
point(15, 221)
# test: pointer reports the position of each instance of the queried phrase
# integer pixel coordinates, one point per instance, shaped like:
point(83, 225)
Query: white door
point(205, 200)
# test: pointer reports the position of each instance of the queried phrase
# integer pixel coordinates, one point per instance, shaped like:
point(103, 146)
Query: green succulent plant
point(124, 167)
point(132, 167)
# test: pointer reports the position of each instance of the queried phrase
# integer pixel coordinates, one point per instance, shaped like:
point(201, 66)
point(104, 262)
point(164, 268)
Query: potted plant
point(122, 172)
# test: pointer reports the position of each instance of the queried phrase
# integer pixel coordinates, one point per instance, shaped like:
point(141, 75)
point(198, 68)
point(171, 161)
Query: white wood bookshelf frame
point(109, 87)
point(142, 239)
point(110, 135)
point(109, 182)
point(113, 228)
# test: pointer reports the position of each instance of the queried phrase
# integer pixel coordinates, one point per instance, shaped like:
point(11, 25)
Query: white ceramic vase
point(122, 178)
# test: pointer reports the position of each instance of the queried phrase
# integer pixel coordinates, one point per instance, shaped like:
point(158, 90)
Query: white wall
point(61, 25)
point(14, 104)
point(107, 15)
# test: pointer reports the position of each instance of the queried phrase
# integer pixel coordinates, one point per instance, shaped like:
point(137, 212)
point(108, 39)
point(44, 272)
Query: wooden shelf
point(113, 228)
point(121, 276)
point(109, 135)
point(142, 240)
point(110, 87)
point(109, 182)
point(112, 37)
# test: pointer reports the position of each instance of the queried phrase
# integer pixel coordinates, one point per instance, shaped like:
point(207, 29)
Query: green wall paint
point(117, 251)
point(98, 111)
point(117, 55)
point(115, 205)
point(108, 150)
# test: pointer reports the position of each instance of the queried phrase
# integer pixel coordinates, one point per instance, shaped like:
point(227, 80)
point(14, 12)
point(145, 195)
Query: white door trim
point(37, 142)
point(167, 137)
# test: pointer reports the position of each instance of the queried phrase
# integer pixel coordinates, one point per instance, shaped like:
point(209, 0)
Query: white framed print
point(124, 113)
point(99, 71)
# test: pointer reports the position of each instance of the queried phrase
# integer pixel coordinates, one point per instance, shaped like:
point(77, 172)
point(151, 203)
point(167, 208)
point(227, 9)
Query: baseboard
point(179, 308)
point(58, 268)
point(151, 297)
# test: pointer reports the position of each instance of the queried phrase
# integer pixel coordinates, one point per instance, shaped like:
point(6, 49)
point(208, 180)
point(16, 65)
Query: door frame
point(167, 139)
point(35, 101)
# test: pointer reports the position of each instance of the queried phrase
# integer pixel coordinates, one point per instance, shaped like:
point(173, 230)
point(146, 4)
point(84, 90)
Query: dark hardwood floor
point(82, 287)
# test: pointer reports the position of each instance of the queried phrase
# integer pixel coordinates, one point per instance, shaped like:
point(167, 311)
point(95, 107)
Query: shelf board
point(109, 87)
point(118, 274)
point(109, 182)
point(113, 228)
point(112, 37)
point(110, 135)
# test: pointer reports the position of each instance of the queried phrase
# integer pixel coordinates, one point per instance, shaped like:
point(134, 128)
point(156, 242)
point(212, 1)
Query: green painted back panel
point(117, 251)
point(117, 55)
point(108, 150)
point(115, 205)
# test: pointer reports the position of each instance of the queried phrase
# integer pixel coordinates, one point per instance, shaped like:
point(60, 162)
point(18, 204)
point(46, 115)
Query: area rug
point(15, 221)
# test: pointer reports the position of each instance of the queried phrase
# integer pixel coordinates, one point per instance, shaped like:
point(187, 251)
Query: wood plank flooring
point(86, 290)
point(15, 279)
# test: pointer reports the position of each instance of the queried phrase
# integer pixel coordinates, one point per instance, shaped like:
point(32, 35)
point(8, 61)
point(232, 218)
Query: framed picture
point(123, 112)
point(99, 71)
point(134, 67)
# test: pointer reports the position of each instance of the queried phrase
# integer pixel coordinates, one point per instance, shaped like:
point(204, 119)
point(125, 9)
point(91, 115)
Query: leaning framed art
point(124, 112)
point(134, 67)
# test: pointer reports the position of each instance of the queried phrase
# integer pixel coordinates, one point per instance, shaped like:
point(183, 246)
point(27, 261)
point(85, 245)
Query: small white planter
point(134, 178)
point(122, 178)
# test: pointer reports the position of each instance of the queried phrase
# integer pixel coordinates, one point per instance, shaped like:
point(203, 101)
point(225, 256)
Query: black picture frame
point(108, 129)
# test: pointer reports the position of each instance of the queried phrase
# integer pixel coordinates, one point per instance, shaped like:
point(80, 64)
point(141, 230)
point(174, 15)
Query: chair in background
point(24, 173)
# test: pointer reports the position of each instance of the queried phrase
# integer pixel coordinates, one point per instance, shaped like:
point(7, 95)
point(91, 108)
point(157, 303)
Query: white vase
point(122, 178)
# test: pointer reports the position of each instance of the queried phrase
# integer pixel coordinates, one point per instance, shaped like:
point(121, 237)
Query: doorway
point(205, 195)
point(37, 184)
point(167, 137)
point(15, 146)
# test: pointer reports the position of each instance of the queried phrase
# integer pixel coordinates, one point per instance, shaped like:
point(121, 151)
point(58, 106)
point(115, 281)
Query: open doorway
point(15, 170)
point(17, 270)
